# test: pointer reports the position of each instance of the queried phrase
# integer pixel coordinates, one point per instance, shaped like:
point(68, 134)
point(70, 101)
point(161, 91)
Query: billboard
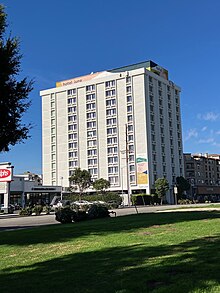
point(5, 173)
point(142, 170)
point(159, 71)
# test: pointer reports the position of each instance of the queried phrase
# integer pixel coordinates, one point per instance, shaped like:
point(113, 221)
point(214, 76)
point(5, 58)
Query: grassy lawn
point(162, 252)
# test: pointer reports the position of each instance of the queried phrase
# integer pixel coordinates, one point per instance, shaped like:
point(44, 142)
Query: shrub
point(47, 209)
point(37, 209)
point(68, 215)
point(98, 211)
point(25, 211)
point(65, 215)
point(144, 199)
point(79, 216)
point(185, 201)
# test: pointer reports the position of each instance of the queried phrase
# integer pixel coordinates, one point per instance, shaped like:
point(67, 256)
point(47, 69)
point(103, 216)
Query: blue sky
point(65, 39)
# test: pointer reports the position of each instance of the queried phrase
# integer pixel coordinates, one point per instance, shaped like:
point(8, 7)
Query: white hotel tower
point(123, 125)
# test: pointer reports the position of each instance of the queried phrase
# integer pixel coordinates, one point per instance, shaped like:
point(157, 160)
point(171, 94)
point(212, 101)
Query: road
point(13, 222)
point(9, 222)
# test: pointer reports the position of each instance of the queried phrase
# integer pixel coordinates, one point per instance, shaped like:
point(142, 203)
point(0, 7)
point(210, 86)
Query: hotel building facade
point(123, 125)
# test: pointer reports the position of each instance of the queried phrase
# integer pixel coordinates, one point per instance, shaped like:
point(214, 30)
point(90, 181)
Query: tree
point(100, 185)
point(161, 187)
point(81, 179)
point(14, 100)
point(182, 184)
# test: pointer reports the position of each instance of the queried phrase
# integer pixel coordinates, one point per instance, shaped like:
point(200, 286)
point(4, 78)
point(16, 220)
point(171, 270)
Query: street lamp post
point(175, 189)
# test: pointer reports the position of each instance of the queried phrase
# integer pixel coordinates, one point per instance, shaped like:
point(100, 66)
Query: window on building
point(90, 87)
point(130, 118)
point(112, 160)
point(130, 128)
point(130, 137)
point(90, 106)
point(93, 171)
point(129, 99)
point(112, 130)
point(113, 179)
point(111, 140)
point(91, 115)
point(92, 162)
point(131, 148)
point(110, 93)
point(71, 100)
point(129, 108)
point(53, 122)
point(91, 143)
point(128, 79)
point(72, 145)
point(91, 124)
point(111, 102)
point(91, 133)
point(131, 158)
point(112, 150)
point(110, 112)
point(73, 163)
point(92, 152)
point(131, 168)
point(90, 97)
point(111, 121)
point(113, 169)
point(71, 92)
point(110, 83)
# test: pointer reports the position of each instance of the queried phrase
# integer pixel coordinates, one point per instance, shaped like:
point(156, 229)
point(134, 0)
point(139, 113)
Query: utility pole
point(61, 192)
point(127, 164)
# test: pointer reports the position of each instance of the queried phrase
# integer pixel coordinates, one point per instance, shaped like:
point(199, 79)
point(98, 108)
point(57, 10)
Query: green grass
point(197, 206)
point(162, 252)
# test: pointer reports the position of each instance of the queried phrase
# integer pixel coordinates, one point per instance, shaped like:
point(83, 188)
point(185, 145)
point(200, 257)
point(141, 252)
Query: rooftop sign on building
point(6, 172)
point(77, 79)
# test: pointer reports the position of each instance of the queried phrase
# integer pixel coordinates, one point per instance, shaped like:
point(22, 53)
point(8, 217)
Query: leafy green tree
point(100, 185)
point(182, 185)
point(14, 100)
point(161, 187)
point(81, 180)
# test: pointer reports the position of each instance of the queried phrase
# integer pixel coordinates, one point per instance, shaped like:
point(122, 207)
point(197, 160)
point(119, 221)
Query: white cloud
point(218, 132)
point(209, 116)
point(204, 128)
point(216, 144)
point(208, 140)
point(191, 133)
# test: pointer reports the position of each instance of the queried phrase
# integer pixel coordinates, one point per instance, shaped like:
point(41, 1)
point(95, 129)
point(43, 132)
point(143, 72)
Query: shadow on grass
point(187, 267)
point(61, 233)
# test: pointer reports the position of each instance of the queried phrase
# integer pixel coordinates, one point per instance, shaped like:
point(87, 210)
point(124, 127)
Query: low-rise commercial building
point(203, 173)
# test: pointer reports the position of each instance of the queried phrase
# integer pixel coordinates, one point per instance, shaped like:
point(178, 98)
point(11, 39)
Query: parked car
point(82, 202)
point(11, 208)
point(61, 203)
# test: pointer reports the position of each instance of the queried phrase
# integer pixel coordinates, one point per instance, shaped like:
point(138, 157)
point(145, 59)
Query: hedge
point(144, 199)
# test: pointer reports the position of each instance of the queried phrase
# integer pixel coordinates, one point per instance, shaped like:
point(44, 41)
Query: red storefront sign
point(5, 175)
